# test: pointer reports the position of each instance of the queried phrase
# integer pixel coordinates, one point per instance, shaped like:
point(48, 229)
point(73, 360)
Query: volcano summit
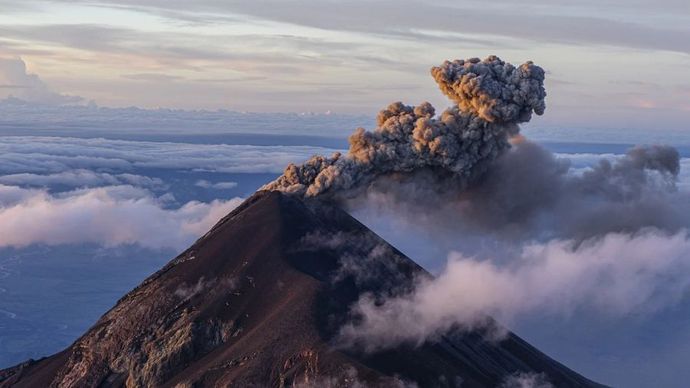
point(259, 302)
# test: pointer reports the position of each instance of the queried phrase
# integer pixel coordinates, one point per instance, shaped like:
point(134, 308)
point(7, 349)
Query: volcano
point(258, 302)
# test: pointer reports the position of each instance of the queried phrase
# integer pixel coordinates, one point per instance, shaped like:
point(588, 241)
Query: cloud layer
point(109, 216)
point(53, 155)
point(273, 57)
point(66, 190)
point(614, 275)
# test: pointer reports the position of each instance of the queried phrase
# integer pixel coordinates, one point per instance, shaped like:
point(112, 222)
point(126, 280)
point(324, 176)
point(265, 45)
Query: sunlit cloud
point(109, 216)
point(275, 57)
point(16, 81)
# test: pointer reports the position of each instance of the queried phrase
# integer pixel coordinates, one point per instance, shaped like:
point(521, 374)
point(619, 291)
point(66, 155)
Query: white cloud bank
point(615, 275)
point(108, 215)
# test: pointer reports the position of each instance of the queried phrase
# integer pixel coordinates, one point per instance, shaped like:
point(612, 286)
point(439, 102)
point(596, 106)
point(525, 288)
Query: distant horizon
point(327, 124)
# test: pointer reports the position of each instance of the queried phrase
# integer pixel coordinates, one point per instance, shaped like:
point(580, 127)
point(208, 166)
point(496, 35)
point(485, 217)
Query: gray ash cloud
point(491, 98)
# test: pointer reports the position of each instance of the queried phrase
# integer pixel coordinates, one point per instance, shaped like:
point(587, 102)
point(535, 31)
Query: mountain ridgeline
point(259, 302)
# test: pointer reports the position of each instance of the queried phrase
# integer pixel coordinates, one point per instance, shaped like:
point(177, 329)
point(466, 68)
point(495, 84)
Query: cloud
point(491, 97)
point(114, 40)
point(18, 82)
point(143, 124)
point(11, 195)
point(615, 275)
point(530, 194)
point(322, 46)
point(80, 178)
point(56, 155)
point(526, 380)
point(609, 236)
point(544, 21)
point(109, 216)
point(217, 185)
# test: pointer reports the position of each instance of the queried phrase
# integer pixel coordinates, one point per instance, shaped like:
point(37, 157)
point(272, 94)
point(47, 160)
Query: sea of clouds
point(85, 218)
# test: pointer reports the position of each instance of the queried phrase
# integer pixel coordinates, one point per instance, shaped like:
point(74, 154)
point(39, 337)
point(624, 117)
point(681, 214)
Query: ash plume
point(611, 241)
point(491, 98)
point(527, 232)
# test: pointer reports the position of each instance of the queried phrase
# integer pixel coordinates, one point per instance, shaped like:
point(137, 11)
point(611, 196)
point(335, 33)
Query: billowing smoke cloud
point(610, 238)
point(491, 98)
point(528, 193)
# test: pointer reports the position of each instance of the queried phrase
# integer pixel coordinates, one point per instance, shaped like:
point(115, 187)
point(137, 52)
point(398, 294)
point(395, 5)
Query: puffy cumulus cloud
point(10, 195)
point(492, 89)
point(53, 155)
point(16, 81)
point(108, 215)
point(615, 275)
point(491, 98)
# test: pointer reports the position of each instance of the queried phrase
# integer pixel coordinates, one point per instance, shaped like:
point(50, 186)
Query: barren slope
point(257, 301)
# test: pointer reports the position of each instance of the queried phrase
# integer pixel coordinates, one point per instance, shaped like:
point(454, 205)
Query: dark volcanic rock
point(257, 302)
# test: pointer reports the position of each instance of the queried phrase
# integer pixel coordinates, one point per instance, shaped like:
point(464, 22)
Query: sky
point(611, 64)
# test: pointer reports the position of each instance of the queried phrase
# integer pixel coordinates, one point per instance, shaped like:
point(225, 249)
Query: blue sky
point(611, 64)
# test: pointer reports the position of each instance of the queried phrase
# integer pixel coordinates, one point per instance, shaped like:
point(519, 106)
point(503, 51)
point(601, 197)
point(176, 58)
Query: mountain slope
point(258, 301)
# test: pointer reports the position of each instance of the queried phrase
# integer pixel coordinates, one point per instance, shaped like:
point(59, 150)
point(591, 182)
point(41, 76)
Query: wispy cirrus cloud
point(586, 22)
point(272, 56)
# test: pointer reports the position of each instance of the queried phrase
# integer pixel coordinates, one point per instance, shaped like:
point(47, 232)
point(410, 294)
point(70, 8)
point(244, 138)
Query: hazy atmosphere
point(553, 195)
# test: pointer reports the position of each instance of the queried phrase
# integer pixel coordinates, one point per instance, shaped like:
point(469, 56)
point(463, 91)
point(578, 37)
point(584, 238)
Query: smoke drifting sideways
point(611, 240)
point(528, 194)
point(532, 236)
point(491, 98)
